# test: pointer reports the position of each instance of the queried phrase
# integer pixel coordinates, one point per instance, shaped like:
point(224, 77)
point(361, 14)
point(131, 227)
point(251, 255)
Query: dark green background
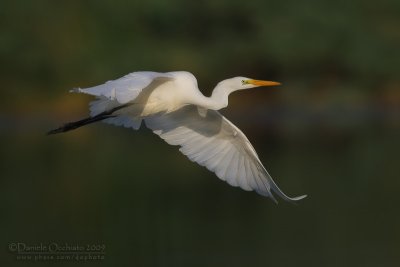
point(331, 131)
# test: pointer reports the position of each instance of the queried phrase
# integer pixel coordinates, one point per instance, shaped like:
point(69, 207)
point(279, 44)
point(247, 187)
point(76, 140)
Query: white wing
point(121, 91)
point(214, 142)
point(125, 89)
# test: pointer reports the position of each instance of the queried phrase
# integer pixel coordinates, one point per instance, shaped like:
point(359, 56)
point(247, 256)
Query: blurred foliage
point(331, 131)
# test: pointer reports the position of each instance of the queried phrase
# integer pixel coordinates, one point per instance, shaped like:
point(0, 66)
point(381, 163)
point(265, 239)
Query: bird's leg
point(76, 124)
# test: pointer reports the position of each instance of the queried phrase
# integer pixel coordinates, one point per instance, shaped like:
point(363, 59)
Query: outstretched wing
point(214, 142)
point(127, 88)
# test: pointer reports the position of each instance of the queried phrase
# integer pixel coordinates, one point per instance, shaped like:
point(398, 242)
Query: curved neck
point(218, 98)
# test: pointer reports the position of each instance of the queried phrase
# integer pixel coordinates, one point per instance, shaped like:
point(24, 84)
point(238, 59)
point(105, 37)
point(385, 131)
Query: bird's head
point(239, 83)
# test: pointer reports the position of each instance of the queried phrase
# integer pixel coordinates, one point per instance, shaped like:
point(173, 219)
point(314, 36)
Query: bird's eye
point(243, 82)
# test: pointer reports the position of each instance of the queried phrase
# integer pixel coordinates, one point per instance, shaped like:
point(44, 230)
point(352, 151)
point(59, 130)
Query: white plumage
point(173, 107)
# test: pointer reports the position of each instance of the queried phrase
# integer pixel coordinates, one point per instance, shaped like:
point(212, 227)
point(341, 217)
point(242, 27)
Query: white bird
point(172, 106)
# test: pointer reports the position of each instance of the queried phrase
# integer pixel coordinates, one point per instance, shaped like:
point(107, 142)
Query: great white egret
point(172, 106)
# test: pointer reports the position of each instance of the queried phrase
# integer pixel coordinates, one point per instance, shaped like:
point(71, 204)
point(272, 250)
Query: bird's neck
point(218, 98)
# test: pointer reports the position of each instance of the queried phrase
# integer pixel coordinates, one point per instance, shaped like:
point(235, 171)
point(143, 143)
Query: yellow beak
point(263, 83)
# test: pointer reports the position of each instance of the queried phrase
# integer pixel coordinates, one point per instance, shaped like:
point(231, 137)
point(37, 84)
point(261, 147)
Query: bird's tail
point(76, 124)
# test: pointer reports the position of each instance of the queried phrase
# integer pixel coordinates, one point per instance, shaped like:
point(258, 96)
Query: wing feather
point(125, 89)
point(222, 165)
point(213, 163)
point(214, 142)
point(121, 91)
point(232, 169)
point(251, 178)
point(243, 178)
